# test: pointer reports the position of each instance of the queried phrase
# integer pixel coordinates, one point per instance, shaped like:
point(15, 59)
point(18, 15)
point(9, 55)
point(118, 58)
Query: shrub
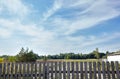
point(26, 56)
point(1, 60)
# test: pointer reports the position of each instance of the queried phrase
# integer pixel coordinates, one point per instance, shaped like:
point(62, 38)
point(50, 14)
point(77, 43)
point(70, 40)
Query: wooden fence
point(60, 70)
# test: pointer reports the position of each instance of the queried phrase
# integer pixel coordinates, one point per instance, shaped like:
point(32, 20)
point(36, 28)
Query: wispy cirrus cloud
point(56, 6)
point(86, 15)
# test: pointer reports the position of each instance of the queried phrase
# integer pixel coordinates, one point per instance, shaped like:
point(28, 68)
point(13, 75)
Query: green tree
point(26, 56)
point(12, 59)
point(107, 52)
point(97, 54)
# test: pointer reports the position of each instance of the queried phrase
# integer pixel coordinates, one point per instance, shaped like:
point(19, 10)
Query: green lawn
point(72, 60)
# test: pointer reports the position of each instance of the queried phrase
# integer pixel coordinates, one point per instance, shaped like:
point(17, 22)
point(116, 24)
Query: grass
point(72, 60)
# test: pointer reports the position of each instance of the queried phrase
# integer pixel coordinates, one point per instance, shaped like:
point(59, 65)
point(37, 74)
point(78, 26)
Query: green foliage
point(92, 55)
point(45, 58)
point(97, 54)
point(5, 57)
point(107, 52)
point(29, 56)
point(12, 59)
point(1, 60)
point(26, 56)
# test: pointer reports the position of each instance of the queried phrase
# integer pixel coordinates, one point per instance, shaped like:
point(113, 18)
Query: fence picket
point(16, 70)
point(32, 72)
point(47, 70)
point(24, 73)
point(36, 70)
point(103, 70)
point(64, 70)
point(7, 73)
point(4, 70)
point(117, 70)
point(28, 69)
point(60, 75)
point(44, 70)
point(72, 64)
point(20, 71)
point(39, 69)
point(108, 70)
point(51, 70)
point(60, 70)
point(94, 67)
point(90, 70)
point(68, 70)
point(113, 70)
point(86, 75)
point(56, 70)
point(77, 71)
point(99, 70)
point(0, 70)
point(81, 69)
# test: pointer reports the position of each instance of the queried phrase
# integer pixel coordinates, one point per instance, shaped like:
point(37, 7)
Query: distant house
point(114, 56)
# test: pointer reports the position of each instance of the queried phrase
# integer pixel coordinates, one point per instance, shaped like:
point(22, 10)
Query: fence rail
point(60, 70)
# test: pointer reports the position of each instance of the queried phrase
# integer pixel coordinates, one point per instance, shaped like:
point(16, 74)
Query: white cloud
point(75, 44)
point(77, 3)
point(102, 39)
point(4, 33)
point(14, 7)
point(26, 29)
point(56, 6)
point(86, 16)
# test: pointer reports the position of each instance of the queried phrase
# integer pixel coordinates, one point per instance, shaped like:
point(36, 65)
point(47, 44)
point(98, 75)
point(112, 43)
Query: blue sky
point(56, 26)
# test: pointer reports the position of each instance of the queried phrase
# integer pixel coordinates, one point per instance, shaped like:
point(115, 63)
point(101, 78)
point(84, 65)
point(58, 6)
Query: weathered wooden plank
point(56, 70)
point(35, 70)
point(60, 74)
point(90, 70)
point(99, 70)
point(32, 71)
point(86, 74)
point(113, 70)
point(103, 69)
point(24, 70)
point(72, 65)
point(4, 70)
point(117, 70)
point(1, 70)
point(7, 70)
point(20, 69)
point(81, 69)
point(44, 70)
point(64, 70)
point(68, 70)
point(12, 71)
point(16, 70)
point(6, 73)
point(51, 70)
point(94, 68)
point(77, 71)
point(108, 70)
point(47, 70)
point(40, 70)
point(28, 69)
